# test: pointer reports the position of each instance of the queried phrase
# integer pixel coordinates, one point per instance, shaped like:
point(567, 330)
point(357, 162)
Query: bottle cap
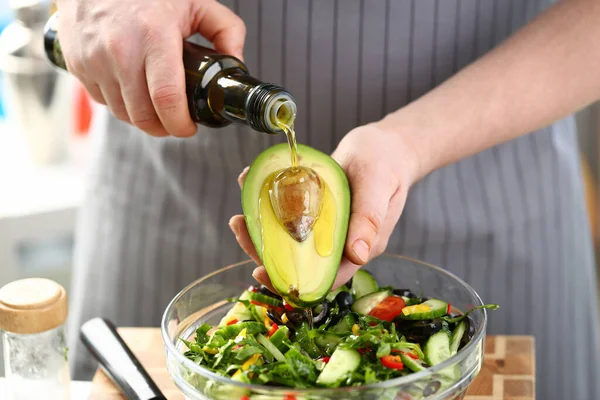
point(32, 305)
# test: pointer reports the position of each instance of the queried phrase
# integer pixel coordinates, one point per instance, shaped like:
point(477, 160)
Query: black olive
point(349, 284)
point(265, 291)
point(344, 299)
point(404, 292)
point(320, 318)
point(470, 331)
point(402, 324)
point(296, 316)
point(432, 388)
point(274, 317)
point(419, 331)
point(338, 317)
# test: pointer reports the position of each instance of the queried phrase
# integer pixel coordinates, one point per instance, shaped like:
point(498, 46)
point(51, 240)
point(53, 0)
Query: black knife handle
point(100, 337)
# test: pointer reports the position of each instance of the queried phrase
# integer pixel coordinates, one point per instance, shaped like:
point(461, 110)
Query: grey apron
point(511, 221)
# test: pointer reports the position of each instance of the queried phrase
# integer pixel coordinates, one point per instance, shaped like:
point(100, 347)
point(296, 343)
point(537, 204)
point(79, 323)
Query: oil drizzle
point(308, 312)
point(285, 120)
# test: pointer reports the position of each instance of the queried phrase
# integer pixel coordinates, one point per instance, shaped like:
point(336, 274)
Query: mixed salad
point(360, 334)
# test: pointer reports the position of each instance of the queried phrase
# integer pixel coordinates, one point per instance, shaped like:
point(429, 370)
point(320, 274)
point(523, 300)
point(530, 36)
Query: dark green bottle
point(219, 88)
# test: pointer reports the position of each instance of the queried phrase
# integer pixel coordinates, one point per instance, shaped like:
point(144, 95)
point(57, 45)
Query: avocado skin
point(274, 159)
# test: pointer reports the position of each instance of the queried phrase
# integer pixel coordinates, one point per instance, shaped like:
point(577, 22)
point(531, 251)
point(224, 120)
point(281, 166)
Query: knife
point(117, 361)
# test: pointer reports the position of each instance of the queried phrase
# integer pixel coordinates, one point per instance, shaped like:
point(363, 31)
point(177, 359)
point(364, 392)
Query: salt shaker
point(32, 316)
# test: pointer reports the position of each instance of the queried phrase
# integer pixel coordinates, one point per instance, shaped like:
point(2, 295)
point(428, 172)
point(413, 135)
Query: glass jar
point(32, 317)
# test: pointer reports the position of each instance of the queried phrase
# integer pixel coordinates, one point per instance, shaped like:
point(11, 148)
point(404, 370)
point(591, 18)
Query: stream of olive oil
point(285, 120)
point(286, 123)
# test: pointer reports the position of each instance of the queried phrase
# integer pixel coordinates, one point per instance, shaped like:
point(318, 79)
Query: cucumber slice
point(258, 313)
point(280, 337)
point(365, 304)
point(457, 335)
point(238, 311)
point(270, 347)
point(429, 309)
point(342, 363)
point(328, 342)
point(437, 348)
point(363, 283)
point(414, 365)
point(261, 298)
point(345, 325)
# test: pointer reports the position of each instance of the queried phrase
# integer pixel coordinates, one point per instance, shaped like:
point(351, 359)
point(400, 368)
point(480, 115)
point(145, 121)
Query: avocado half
point(302, 275)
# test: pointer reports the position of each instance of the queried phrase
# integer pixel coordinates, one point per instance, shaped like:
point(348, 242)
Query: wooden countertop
point(508, 370)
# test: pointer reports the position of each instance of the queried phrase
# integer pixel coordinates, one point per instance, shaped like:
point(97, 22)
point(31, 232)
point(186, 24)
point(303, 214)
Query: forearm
point(545, 71)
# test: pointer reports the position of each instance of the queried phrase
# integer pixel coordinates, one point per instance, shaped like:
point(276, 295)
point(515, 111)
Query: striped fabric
point(510, 221)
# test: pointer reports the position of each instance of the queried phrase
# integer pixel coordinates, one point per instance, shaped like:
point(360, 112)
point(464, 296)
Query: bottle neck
point(265, 106)
point(258, 104)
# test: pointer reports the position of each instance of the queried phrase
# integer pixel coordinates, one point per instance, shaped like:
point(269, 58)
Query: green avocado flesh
point(303, 272)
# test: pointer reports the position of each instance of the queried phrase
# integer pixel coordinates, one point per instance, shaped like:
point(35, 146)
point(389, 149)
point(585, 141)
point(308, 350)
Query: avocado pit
point(296, 195)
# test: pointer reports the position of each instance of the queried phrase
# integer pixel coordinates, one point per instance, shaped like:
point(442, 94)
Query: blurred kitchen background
point(44, 124)
point(45, 119)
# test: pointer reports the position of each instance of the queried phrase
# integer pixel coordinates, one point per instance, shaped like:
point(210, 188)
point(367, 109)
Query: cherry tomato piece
point(389, 308)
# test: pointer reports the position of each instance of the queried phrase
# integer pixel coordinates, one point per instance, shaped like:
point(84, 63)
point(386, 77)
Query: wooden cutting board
point(508, 370)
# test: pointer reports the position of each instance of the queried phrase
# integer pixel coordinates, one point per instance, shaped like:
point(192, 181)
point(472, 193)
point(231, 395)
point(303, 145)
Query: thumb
point(222, 27)
point(370, 199)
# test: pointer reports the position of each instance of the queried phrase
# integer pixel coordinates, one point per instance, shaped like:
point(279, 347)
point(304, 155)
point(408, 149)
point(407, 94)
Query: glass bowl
point(204, 301)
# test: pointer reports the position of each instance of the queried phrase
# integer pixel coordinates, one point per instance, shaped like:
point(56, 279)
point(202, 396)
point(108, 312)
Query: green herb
point(300, 366)
point(463, 316)
point(303, 337)
point(224, 353)
point(201, 333)
point(383, 350)
point(246, 352)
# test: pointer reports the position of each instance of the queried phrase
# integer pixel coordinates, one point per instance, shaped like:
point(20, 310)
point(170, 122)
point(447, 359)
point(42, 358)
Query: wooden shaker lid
point(32, 305)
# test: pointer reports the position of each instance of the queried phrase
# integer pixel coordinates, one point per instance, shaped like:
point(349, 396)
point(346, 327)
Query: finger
point(395, 207)
point(237, 224)
point(112, 94)
point(166, 85)
point(95, 93)
point(222, 27)
point(242, 177)
point(370, 197)
point(260, 274)
point(139, 104)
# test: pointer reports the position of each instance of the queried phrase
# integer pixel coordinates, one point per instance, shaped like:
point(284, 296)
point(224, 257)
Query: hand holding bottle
point(127, 53)
point(381, 166)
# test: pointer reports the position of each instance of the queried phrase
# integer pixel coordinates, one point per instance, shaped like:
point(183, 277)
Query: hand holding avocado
point(380, 167)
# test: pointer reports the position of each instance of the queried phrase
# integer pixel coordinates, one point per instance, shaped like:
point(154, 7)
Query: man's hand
point(380, 167)
point(128, 54)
